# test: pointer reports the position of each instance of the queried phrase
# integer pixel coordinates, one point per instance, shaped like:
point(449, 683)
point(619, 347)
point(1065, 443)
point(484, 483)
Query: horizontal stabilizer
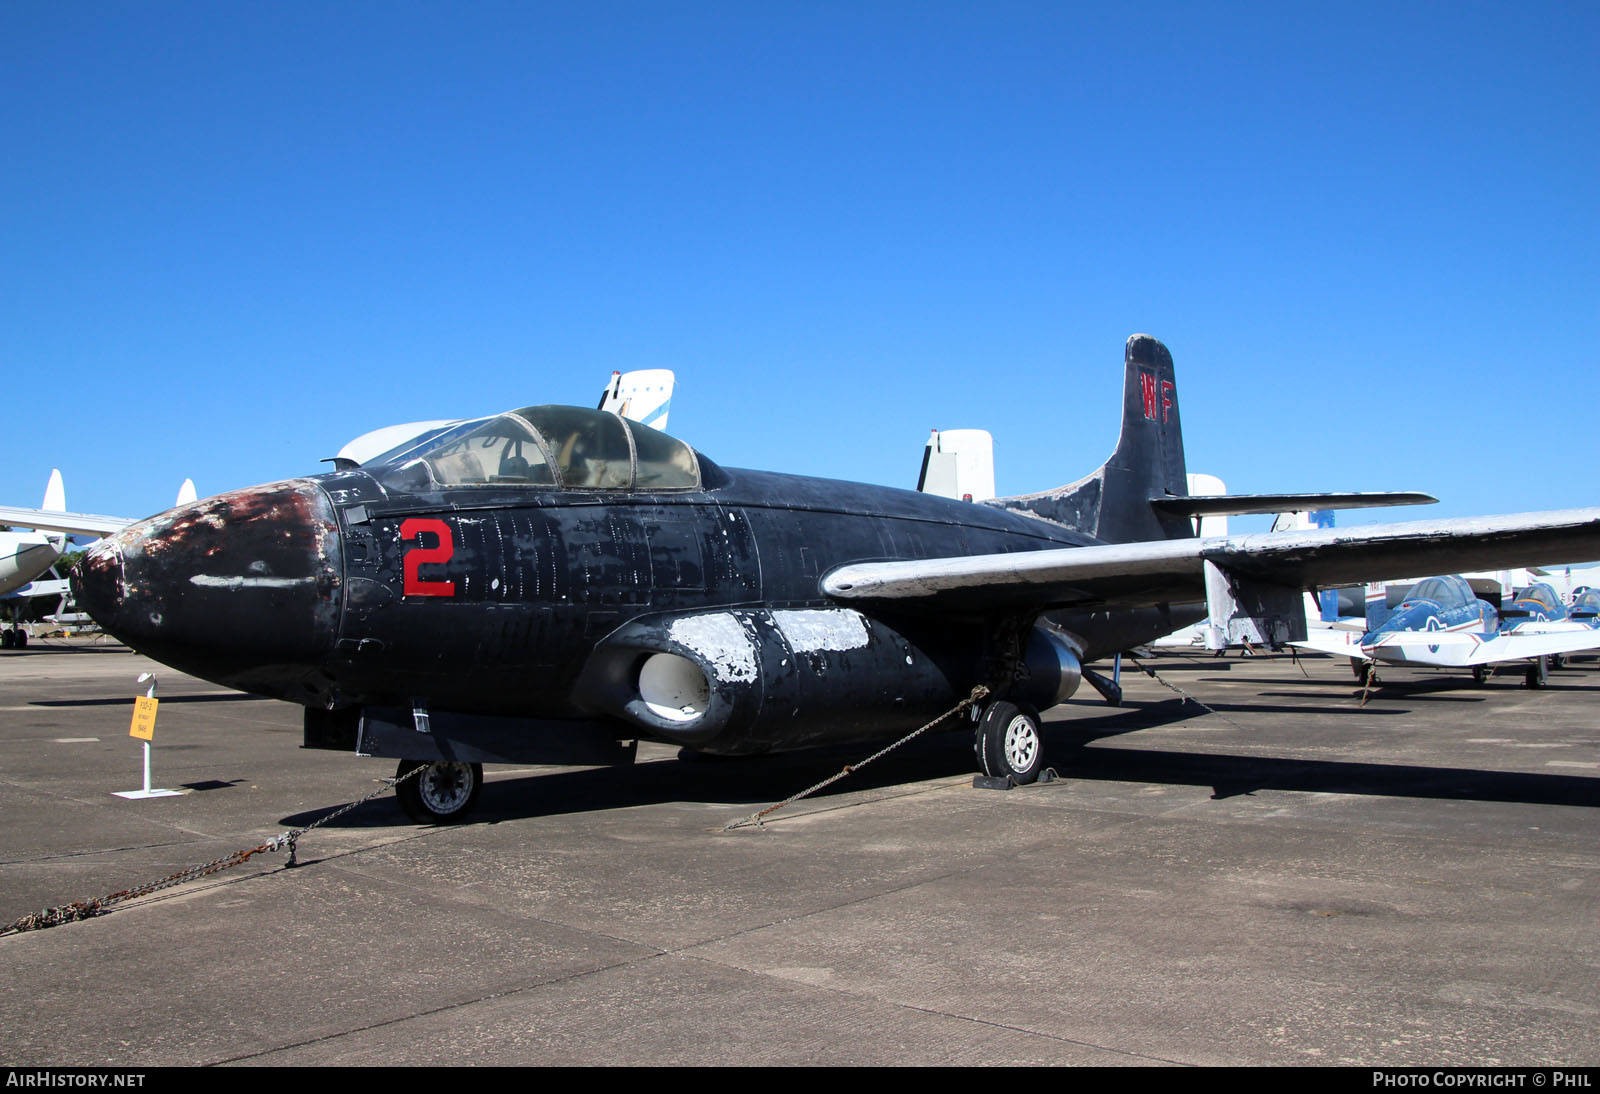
point(1241, 504)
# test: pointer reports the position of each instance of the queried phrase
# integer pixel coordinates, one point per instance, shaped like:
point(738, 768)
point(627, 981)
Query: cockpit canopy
point(559, 446)
point(1447, 592)
point(1542, 594)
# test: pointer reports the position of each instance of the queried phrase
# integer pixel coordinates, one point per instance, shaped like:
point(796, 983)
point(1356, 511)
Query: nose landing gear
point(443, 793)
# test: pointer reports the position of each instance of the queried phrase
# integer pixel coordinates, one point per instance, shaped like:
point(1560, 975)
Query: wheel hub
point(445, 787)
point(1022, 744)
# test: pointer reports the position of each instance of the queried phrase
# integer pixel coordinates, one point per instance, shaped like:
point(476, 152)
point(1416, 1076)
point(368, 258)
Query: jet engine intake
point(674, 688)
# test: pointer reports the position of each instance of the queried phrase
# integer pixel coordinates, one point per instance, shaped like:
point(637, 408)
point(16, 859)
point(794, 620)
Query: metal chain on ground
point(1368, 678)
point(86, 909)
point(758, 818)
point(1150, 672)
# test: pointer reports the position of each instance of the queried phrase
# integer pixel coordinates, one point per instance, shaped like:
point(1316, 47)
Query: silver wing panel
point(1170, 570)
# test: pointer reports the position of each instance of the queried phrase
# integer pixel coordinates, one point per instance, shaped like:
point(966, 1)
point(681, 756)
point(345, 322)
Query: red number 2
point(416, 556)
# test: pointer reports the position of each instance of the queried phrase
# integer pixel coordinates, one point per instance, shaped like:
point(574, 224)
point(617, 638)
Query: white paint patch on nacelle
point(673, 687)
point(221, 582)
point(721, 640)
point(820, 629)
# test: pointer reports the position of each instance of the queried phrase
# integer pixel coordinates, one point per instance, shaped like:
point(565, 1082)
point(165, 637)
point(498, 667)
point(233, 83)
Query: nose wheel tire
point(444, 793)
point(1007, 743)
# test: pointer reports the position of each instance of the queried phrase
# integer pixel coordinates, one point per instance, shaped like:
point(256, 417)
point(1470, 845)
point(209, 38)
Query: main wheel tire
point(1480, 674)
point(7, 640)
point(22, 639)
point(443, 794)
point(1007, 743)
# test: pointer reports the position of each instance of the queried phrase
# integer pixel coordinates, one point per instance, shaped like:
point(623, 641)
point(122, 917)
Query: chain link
point(758, 818)
point(1150, 672)
point(86, 909)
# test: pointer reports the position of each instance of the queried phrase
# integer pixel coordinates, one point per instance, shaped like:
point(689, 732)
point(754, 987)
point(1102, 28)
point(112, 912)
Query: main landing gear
point(1538, 673)
point(1007, 743)
point(443, 793)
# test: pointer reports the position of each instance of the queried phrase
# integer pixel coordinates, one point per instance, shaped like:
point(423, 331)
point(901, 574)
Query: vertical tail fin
point(55, 493)
point(1113, 504)
point(643, 395)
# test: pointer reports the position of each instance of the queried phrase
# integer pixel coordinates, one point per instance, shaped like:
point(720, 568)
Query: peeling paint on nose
point(243, 588)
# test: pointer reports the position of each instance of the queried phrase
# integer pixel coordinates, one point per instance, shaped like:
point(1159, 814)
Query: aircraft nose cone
point(241, 589)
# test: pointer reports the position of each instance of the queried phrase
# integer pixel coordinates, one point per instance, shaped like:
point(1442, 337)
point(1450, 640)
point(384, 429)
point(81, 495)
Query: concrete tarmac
point(1288, 879)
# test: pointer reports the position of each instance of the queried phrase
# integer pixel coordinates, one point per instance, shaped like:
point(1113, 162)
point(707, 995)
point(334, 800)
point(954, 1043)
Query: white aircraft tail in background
point(643, 395)
point(958, 463)
point(26, 555)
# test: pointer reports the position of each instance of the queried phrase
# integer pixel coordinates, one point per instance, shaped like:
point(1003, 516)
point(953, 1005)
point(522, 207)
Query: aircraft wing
point(1461, 650)
point(1153, 571)
point(1336, 643)
point(46, 520)
point(47, 587)
point(1547, 626)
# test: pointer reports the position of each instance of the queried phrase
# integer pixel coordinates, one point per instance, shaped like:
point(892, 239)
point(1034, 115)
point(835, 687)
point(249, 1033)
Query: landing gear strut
point(14, 637)
point(1538, 673)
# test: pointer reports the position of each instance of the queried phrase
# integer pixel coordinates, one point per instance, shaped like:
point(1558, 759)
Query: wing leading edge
point(1170, 570)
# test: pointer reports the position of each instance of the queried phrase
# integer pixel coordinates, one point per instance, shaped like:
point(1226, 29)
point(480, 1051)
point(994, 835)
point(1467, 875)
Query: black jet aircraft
point(554, 584)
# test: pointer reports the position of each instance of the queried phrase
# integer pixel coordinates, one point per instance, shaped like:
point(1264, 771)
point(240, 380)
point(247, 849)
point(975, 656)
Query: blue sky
point(236, 236)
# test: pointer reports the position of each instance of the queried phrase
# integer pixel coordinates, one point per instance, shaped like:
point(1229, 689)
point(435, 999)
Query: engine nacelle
point(1055, 668)
point(747, 679)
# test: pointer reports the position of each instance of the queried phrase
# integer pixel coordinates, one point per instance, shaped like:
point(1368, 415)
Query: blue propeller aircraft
point(1530, 609)
point(1585, 606)
point(1442, 623)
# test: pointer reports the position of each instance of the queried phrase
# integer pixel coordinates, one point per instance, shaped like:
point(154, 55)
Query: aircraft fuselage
point(342, 592)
